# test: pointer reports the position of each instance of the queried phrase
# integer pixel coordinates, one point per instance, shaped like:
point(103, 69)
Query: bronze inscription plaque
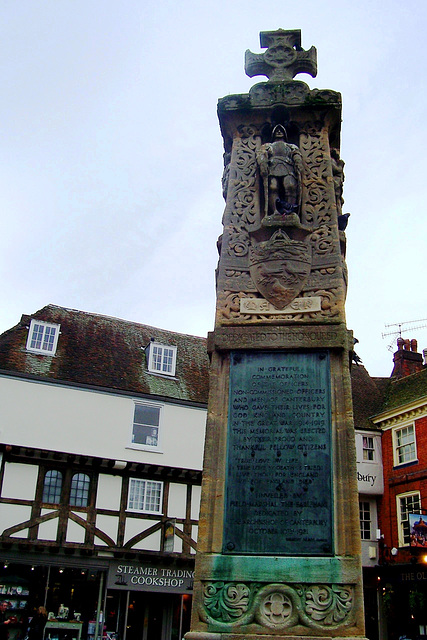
point(278, 497)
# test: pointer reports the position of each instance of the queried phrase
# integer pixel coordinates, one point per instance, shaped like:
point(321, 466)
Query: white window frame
point(46, 328)
point(161, 359)
point(404, 517)
point(398, 448)
point(146, 446)
point(145, 486)
point(368, 449)
point(362, 512)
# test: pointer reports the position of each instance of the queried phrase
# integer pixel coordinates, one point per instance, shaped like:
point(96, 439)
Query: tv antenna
point(401, 328)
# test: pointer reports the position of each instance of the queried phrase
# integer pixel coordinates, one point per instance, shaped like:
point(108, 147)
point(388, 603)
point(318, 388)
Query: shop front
point(71, 590)
point(148, 600)
point(403, 598)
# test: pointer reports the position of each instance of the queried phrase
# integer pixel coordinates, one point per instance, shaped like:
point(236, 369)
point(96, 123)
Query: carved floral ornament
point(227, 605)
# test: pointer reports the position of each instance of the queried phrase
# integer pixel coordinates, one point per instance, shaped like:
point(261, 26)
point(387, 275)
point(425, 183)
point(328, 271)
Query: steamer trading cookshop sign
point(153, 576)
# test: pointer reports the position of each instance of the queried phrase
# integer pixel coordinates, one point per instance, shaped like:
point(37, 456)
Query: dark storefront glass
point(26, 587)
point(136, 615)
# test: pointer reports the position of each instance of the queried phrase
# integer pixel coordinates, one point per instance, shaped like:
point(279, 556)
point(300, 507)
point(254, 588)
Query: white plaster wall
point(108, 525)
point(150, 543)
point(134, 526)
point(75, 532)
point(94, 423)
point(177, 500)
point(195, 501)
point(48, 530)
point(109, 491)
point(194, 535)
point(177, 542)
point(11, 515)
point(19, 481)
point(370, 478)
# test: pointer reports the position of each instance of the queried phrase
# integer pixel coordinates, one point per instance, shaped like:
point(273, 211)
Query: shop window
point(404, 445)
point(52, 487)
point(368, 448)
point(79, 492)
point(146, 426)
point(145, 495)
point(161, 359)
point(43, 337)
point(406, 503)
point(365, 520)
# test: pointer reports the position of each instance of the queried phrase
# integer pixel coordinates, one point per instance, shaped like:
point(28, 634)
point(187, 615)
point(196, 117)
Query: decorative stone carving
point(318, 194)
point(291, 93)
point(227, 602)
point(325, 96)
point(277, 607)
point(257, 207)
point(229, 605)
point(323, 240)
point(226, 175)
point(242, 198)
point(239, 280)
point(263, 307)
point(328, 606)
point(284, 58)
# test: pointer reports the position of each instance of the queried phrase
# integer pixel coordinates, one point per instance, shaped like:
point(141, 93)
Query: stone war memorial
point(279, 541)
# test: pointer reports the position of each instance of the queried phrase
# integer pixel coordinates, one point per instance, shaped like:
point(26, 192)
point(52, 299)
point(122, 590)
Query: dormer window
point(43, 337)
point(161, 359)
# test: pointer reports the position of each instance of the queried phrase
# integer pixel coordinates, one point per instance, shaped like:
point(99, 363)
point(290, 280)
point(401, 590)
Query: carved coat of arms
point(280, 267)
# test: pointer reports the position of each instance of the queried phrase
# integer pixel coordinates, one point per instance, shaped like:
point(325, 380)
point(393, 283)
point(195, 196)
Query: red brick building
point(402, 570)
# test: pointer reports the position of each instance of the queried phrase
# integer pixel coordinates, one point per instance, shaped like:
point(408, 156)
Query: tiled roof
point(368, 396)
point(406, 390)
point(100, 351)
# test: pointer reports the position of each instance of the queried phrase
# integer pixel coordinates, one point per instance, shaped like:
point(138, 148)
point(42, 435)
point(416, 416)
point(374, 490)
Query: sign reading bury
point(279, 480)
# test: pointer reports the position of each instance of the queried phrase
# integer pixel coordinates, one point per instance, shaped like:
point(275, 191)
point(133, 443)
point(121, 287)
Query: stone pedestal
point(279, 539)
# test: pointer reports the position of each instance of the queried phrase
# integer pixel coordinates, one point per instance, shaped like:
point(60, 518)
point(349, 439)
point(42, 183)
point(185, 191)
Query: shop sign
point(370, 478)
point(413, 576)
point(153, 576)
point(418, 530)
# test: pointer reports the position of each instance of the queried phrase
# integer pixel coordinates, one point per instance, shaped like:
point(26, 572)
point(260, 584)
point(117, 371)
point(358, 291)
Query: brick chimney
point(406, 359)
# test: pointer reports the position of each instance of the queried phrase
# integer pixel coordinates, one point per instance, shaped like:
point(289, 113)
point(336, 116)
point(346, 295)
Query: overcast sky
point(111, 154)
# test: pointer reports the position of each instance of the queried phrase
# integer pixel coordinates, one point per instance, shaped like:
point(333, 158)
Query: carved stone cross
point(284, 58)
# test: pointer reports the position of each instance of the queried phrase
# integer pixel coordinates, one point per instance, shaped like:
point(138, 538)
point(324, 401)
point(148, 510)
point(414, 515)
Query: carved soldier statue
point(338, 178)
point(280, 165)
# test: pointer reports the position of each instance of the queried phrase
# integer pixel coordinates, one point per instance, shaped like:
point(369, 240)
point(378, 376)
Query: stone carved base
point(276, 608)
point(204, 635)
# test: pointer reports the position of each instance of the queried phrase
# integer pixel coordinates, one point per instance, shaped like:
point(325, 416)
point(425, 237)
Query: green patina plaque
point(278, 498)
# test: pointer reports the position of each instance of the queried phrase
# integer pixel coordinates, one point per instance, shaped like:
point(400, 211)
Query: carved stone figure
point(338, 178)
point(280, 165)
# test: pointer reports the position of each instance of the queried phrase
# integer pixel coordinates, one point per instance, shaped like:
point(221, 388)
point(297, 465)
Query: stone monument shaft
point(279, 540)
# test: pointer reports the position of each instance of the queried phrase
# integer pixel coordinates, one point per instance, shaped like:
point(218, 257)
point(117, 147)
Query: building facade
point(101, 446)
point(367, 400)
point(402, 571)
point(101, 438)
